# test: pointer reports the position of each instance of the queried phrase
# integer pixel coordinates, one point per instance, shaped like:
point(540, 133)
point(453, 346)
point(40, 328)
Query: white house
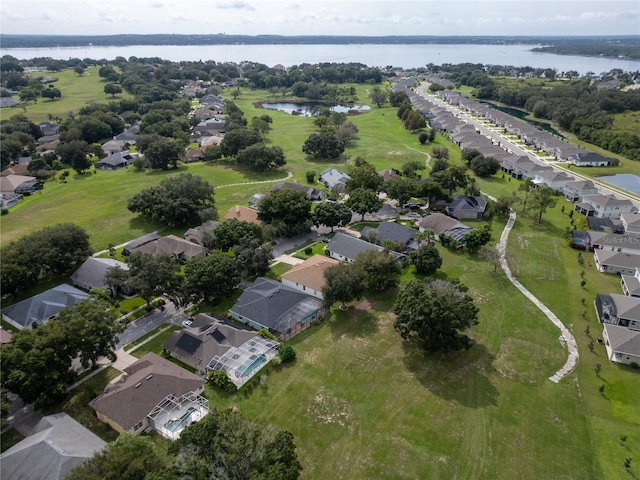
point(604, 206)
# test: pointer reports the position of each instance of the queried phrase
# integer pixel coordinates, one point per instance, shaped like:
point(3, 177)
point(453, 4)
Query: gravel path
point(566, 336)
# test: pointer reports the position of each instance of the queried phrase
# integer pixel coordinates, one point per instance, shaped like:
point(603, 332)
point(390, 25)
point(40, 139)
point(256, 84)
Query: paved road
point(145, 324)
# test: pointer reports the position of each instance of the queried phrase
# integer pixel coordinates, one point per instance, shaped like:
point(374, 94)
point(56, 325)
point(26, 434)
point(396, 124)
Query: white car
point(187, 322)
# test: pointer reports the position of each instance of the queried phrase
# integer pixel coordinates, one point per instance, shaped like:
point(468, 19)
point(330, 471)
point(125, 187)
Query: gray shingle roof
point(56, 445)
point(91, 273)
point(274, 305)
point(43, 306)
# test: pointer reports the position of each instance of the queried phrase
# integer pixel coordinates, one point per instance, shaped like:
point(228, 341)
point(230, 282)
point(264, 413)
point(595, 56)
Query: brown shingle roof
point(148, 381)
point(310, 272)
point(244, 214)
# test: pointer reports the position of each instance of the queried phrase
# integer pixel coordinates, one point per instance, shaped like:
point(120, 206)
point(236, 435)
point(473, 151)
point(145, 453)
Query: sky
point(320, 17)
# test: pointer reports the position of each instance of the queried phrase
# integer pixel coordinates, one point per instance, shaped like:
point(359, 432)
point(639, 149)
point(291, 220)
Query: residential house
point(631, 284)
point(116, 161)
point(196, 234)
point(8, 102)
point(576, 191)
point(591, 159)
point(193, 155)
point(604, 206)
point(346, 248)
point(308, 276)
point(393, 231)
point(463, 207)
point(114, 146)
point(209, 140)
point(630, 223)
point(442, 224)
point(48, 128)
point(213, 343)
point(254, 201)
point(5, 336)
point(617, 309)
point(20, 184)
point(137, 242)
point(129, 135)
point(616, 262)
point(92, 272)
point(55, 446)
point(622, 344)
point(621, 243)
point(311, 193)
point(387, 174)
point(210, 125)
point(282, 310)
point(554, 179)
point(173, 246)
point(39, 309)
point(243, 214)
point(334, 179)
point(153, 394)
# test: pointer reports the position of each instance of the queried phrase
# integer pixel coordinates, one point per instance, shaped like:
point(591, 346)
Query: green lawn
point(155, 344)
point(9, 438)
point(77, 91)
point(277, 270)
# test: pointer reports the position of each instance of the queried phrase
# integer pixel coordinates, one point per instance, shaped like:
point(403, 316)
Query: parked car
point(187, 322)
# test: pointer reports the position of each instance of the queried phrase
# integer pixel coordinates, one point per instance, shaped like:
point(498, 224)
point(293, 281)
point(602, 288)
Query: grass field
point(361, 402)
point(76, 92)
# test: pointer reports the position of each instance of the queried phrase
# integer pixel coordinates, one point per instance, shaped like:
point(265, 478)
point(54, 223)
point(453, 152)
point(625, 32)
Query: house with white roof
point(604, 206)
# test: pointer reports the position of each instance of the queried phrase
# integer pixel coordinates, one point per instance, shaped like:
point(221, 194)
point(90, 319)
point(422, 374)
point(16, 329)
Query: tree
point(237, 139)
point(92, 326)
point(397, 97)
point(331, 215)
point(477, 238)
point(129, 457)
point(226, 445)
point(364, 175)
point(112, 89)
point(323, 145)
point(440, 153)
point(163, 152)
point(400, 189)
point(228, 233)
point(452, 178)
point(288, 210)
point(435, 313)
point(343, 283)
point(253, 255)
point(79, 69)
point(423, 138)
point(485, 166)
point(439, 165)
point(378, 96)
point(177, 200)
point(260, 158)
point(153, 275)
point(363, 200)
point(380, 270)
point(36, 365)
point(525, 187)
point(541, 199)
point(310, 175)
point(346, 132)
point(75, 153)
point(414, 121)
point(115, 278)
point(28, 94)
point(426, 259)
point(410, 168)
point(490, 255)
point(212, 277)
point(51, 93)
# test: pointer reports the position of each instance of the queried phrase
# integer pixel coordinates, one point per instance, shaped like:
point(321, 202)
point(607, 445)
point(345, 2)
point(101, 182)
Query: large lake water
point(405, 56)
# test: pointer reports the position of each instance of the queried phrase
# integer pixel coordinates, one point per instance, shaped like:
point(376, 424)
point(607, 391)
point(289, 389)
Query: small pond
point(307, 109)
point(626, 181)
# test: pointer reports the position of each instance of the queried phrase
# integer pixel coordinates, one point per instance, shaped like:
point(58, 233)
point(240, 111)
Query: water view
point(308, 109)
point(626, 181)
point(404, 56)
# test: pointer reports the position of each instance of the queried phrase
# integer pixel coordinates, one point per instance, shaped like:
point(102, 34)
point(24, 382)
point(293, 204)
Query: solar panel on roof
point(218, 335)
point(188, 343)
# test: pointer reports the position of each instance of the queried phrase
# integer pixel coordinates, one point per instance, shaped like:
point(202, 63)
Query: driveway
point(145, 324)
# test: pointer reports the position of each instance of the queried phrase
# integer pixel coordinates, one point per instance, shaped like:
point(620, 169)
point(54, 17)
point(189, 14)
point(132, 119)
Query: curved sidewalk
point(567, 336)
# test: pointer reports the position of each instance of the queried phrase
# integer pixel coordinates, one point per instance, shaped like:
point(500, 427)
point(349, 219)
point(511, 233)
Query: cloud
point(155, 5)
point(236, 6)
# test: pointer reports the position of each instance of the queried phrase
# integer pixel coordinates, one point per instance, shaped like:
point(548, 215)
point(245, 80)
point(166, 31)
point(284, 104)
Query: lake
point(306, 109)
point(404, 56)
point(626, 181)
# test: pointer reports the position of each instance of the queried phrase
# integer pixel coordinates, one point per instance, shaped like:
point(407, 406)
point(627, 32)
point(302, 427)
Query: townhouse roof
point(623, 340)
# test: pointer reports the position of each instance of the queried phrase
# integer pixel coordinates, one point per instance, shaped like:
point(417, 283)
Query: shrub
point(311, 176)
point(218, 378)
point(634, 365)
point(287, 354)
point(308, 251)
point(264, 333)
point(4, 211)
